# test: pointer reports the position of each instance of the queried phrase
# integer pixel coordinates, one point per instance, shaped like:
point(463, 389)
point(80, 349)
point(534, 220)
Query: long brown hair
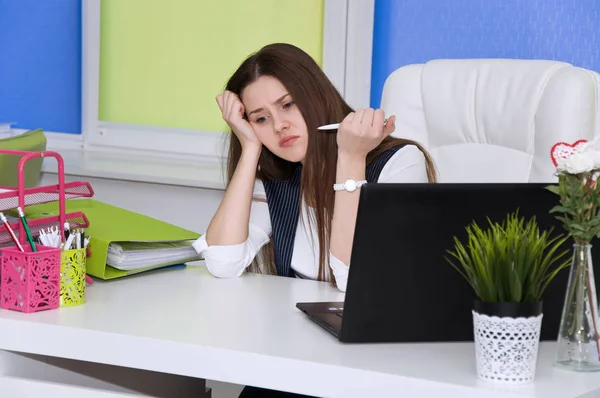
point(319, 103)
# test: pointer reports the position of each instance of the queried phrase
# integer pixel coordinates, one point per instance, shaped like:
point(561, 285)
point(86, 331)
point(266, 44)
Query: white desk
point(248, 331)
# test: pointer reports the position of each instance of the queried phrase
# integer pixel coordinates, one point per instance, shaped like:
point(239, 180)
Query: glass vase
point(578, 339)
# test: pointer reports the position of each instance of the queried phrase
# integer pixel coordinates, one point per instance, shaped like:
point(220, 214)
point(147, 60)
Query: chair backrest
point(493, 120)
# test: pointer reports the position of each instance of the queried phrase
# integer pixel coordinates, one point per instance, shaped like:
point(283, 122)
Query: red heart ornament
point(562, 150)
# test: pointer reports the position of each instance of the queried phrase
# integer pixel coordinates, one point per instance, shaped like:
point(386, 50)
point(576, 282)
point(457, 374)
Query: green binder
point(110, 224)
point(34, 141)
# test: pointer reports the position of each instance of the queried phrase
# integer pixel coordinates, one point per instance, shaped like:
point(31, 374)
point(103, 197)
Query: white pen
point(335, 126)
point(329, 127)
point(42, 238)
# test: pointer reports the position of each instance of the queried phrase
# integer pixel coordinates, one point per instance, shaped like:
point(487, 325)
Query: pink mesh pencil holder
point(30, 281)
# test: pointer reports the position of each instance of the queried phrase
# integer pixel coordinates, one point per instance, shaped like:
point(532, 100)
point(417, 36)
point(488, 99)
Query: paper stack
point(6, 130)
point(128, 256)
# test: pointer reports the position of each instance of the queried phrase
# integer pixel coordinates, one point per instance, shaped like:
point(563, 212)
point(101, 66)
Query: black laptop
point(400, 287)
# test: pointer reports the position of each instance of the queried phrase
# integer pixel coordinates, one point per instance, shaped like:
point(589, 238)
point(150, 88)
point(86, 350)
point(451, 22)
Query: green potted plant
point(508, 265)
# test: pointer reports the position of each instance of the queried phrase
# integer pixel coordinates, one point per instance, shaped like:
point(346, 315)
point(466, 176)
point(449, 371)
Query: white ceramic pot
point(506, 348)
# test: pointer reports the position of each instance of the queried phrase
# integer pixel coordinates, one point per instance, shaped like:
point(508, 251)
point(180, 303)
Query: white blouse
point(406, 165)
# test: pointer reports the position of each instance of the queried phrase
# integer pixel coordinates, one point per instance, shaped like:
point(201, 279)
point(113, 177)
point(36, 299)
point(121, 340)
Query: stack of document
point(6, 130)
point(133, 255)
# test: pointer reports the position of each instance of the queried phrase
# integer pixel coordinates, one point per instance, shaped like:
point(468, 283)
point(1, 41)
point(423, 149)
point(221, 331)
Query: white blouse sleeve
point(230, 261)
point(406, 165)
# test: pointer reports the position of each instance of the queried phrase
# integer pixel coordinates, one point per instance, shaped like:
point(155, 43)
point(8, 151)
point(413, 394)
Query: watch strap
point(349, 185)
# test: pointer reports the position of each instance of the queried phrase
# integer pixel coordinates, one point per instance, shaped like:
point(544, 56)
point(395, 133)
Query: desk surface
point(248, 331)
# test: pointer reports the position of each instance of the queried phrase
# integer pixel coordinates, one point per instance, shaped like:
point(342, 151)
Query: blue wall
point(416, 31)
point(40, 64)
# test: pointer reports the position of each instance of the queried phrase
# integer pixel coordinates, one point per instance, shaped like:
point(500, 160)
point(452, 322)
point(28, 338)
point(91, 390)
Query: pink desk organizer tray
point(30, 280)
point(23, 197)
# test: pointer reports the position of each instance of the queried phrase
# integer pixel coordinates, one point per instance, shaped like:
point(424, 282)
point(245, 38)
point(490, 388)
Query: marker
point(67, 230)
point(10, 231)
point(69, 242)
point(27, 232)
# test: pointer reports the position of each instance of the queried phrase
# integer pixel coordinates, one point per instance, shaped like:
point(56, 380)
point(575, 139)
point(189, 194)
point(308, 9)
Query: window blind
point(162, 63)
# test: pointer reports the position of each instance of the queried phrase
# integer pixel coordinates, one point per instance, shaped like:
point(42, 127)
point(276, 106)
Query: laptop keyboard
point(339, 311)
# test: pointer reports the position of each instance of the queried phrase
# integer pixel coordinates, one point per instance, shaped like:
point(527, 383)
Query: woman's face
point(275, 118)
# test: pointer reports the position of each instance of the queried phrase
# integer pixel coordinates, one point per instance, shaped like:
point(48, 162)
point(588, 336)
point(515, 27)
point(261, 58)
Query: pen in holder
point(72, 277)
point(30, 280)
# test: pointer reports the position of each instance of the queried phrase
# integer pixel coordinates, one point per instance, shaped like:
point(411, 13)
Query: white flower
point(596, 156)
point(595, 144)
point(592, 146)
point(579, 162)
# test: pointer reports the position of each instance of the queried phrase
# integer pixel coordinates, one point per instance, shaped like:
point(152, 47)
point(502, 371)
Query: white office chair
point(493, 120)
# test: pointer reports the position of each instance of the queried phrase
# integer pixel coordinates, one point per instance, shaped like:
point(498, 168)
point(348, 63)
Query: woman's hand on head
point(362, 131)
point(233, 113)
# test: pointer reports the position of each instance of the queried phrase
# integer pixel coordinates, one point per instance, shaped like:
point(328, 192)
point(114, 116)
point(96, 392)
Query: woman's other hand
point(361, 131)
point(233, 114)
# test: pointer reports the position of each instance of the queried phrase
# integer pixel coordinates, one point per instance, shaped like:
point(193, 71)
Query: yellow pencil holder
point(72, 277)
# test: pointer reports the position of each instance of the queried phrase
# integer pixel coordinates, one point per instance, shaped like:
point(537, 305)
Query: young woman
point(280, 199)
point(281, 213)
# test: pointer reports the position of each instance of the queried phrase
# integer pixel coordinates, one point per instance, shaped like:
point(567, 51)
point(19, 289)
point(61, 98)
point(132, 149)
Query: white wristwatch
point(350, 185)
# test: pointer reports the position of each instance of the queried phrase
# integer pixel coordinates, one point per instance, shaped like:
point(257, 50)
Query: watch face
point(350, 185)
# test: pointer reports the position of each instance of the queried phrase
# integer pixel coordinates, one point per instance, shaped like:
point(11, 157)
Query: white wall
point(187, 207)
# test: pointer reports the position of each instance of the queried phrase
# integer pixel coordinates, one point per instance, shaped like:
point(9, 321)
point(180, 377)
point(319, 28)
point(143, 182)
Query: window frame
point(347, 36)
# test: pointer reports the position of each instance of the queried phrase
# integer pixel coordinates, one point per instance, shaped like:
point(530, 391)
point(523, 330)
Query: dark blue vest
point(283, 197)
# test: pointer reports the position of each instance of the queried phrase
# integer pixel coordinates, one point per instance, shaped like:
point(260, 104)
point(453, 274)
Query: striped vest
point(283, 197)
